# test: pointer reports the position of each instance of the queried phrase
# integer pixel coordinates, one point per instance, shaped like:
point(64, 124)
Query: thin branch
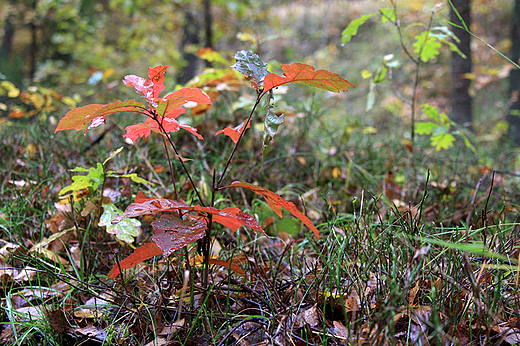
point(238, 142)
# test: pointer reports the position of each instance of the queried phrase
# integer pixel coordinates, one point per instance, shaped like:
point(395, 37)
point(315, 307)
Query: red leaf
point(172, 233)
point(139, 255)
point(229, 217)
point(141, 197)
point(78, 118)
point(142, 86)
point(148, 88)
point(137, 131)
point(276, 203)
point(234, 132)
point(169, 124)
point(231, 223)
point(189, 94)
point(305, 74)
point(151, 206)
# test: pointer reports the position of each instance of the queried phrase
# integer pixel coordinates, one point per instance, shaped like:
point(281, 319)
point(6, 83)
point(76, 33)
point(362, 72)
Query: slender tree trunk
point(208, 20)
point(514, 78)
point(190, 38)
point(461, 102)
point(34, 44)
point(208, 30)
point(7, 41)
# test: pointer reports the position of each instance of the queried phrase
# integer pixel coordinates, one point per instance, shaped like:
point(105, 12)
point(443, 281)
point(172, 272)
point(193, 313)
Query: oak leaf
point(305, 74)
point(78, 118)
point(172, 233)
point(139, 255)
point(229, 217)
point(276, 203)
point(234, 132)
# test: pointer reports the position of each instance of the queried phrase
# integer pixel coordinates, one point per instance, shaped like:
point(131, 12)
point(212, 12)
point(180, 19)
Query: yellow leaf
point(365, 74)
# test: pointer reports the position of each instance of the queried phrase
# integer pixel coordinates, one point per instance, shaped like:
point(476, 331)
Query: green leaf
point(442, 141)
point(431, 111)
point(79, 182)
point(352, 29)
point(132, 176)
point(125, 230)
point(427, 46)
point(90, 181)
point(388, 14)
point(249, 64)
point(425, 127)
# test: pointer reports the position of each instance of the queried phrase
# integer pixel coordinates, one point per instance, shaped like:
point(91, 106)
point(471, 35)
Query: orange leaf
point(229, 217)
point(139, 255)
point(234, 132)
point(276, 203)
point(305, 74)
point(76, 119)
point(190, 94)
point(141, 197)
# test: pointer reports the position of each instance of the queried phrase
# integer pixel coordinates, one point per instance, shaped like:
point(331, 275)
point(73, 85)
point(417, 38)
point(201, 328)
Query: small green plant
point(426, 46)
point(439, 129)
point(182, 223)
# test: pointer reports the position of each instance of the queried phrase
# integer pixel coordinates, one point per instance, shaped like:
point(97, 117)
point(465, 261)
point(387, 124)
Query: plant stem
point(237, 143)
point(176, 195)
point(155, 116)
point(417, 62)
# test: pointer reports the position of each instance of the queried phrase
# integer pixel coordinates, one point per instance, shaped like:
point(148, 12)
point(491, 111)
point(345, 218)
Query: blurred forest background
point(81, 49)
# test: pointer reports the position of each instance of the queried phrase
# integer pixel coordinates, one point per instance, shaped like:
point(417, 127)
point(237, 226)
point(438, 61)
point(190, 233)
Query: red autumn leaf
point(78, 118)
point(156, 74)
point(139, 255)
point(305, 74)
point(228, 217)
point(142, 86)
point(141, 197)
point(151, 206)
point(172, 233)
point(190, 94)
point(148, 88)
point(276, 203)
point(234, 132)
point(169, 124)
point(231, 223)
point(137, 131)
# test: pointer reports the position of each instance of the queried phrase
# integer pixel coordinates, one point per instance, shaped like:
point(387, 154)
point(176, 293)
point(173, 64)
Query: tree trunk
point(190, 39)
point(34, 43)
point(461, 103)
point(7, 41)
point(514, 79)
point(208, 30)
